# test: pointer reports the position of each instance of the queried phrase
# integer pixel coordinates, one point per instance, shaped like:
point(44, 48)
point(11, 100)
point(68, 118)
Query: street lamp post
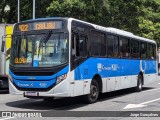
point(34, 9)
point(18, 10)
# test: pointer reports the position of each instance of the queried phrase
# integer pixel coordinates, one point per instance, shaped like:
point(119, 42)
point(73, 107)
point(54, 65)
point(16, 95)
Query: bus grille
point(34, 73)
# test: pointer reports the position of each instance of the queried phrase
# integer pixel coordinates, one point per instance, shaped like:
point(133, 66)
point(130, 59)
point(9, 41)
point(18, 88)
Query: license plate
point(31, 93)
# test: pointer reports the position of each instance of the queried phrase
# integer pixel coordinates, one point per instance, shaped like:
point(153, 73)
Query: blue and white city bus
point(66, 57)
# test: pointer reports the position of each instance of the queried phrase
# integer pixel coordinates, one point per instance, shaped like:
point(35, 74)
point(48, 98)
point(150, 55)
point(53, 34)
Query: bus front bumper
point(60, 90)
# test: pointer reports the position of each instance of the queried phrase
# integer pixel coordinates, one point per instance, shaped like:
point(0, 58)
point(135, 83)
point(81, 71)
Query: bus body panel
point(109, 67)
point(115, 73)
point(63, 89)
point(37, 81)
point(60, 90)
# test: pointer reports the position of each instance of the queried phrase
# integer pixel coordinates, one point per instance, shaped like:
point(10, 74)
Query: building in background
point(5, 35)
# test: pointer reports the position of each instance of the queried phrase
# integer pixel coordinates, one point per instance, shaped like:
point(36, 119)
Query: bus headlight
point(61, 78)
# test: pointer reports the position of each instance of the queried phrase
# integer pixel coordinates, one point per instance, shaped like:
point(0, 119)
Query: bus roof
point(107, 29)
point(41, 19)
point(116, 31)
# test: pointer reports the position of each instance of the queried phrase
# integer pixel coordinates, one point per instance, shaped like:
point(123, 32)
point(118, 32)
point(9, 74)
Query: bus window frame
point(154, 54)
point(133, 39)
point(91, 41)
point(115, 35)
point(146, 50)
point(129, 47)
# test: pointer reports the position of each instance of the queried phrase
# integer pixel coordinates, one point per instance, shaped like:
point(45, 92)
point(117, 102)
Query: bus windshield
point(40, 50)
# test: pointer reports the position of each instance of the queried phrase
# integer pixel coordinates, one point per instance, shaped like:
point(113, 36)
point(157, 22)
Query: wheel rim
point(93, 92)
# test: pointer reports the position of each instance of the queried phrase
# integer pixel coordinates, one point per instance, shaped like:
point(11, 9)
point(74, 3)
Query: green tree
point(141, 17)
point(149, 22)
point(25, 10)
point(67, 8)
point(7, 17)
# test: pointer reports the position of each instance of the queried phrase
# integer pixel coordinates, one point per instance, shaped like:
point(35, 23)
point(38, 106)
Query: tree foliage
point(149, 22)
point(25, 10)
point(142, 17)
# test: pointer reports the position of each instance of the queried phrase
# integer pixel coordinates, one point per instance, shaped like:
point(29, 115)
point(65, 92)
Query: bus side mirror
point(3, 46)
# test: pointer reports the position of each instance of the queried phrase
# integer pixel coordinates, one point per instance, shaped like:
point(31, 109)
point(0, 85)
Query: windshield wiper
point(44, 39)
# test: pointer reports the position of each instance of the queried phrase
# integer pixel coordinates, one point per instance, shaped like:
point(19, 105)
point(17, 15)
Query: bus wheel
point(94, 93)
point(139, 83)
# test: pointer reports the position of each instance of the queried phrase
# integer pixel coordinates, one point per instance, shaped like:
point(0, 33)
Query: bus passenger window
point(135, 49)
point(79, 45)
point(82, 45)
point(98, 47)
point(154, 50)
point(125, 47)
point(113, 48)
point(143, 50)
point(150, 51)
point(74, 44)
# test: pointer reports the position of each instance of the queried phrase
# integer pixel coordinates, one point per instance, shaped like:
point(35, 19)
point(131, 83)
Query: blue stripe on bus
point(37, 81)
point(34, 84)
point(108, 67)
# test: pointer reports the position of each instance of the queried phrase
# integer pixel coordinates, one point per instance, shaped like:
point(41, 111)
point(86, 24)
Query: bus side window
point(98, 47)
point(150, 51)
point(82, 45)
point(75, 39)
point(125, 47)
point(143, 50)
point(135, 49)
point(154, 50)
point(79, 47)
point(113, 47)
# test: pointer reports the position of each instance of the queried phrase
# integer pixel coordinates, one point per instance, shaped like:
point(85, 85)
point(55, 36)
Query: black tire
point(139, 84)
point(94, 93)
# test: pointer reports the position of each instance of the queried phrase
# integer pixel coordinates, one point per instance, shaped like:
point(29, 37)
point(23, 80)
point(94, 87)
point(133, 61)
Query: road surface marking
point(151, 90)
point(129, 106)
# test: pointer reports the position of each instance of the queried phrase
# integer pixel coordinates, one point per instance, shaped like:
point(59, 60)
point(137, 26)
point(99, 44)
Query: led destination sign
point(40, 26)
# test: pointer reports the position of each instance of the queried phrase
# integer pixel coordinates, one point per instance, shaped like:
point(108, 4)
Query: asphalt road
point(123, 100)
